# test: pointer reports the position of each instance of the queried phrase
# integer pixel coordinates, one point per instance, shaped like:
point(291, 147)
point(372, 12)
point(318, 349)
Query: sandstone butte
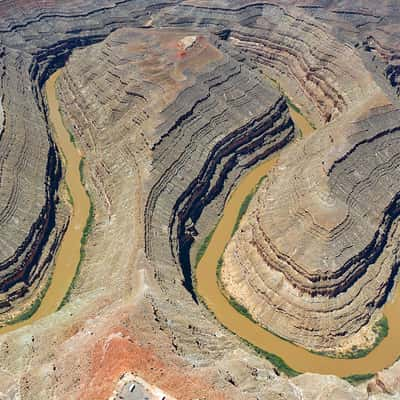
point(172, 103)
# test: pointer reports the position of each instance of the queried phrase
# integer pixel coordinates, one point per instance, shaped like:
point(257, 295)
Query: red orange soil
point(119, 352)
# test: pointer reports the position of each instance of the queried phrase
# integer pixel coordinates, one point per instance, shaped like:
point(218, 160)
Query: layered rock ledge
point(129, 311)
point(157, 112)
point(200, 119)
point(317, 255)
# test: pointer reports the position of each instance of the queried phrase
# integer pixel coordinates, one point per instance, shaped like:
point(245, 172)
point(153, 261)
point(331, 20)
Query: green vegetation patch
point(71, 137)
point(357, 379)
point(241, 309)
point(85, 234)
point(70, 198)
point(300, 133)
point(262, 179)
point(66, 126)
point(30, 311)
point(81, 170)
point(219, 269)
point(206, 241)
point(293, 106)
point(204, 244)
point(381, 329)
point(277, 361)
point(89, 223)
point(297, 109)
point(245, 205)
point(243, 208)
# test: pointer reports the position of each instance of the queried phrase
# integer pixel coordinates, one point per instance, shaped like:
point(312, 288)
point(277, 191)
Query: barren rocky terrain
point(171, 103)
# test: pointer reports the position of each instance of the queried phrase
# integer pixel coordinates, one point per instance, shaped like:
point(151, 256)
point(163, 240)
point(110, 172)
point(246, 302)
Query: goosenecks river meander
point(297, 358)
point(69, 253)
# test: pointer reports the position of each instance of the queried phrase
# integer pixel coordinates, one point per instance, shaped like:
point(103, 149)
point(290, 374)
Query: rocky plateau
point(171, 103)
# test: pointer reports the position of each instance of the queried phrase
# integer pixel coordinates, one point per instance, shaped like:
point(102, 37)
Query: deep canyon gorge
point(256, 141)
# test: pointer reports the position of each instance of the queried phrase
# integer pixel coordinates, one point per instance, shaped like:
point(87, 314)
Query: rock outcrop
point(170, 110)
point(156, 112)
point(321, 249)
point(29, 174)
point(30, 166)
point(292, 48)
point(225, 122)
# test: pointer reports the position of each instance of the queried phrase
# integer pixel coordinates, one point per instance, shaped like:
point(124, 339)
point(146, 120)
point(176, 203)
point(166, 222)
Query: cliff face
point(321, 247)
point(284, 41)
point(324, 244)
point(373, 30)
point(216, 129)
point(34, 43)
point(168, 120)
point(309, 63)
point(30, 171)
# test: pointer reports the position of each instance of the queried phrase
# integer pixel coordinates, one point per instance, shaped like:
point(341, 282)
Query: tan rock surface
point(321, 247)
point(129, 305)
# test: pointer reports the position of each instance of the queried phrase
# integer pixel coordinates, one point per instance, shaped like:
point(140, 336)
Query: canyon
point(171, 106)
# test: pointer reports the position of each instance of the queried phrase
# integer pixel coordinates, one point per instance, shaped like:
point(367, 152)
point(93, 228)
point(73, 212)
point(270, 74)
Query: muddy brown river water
point(295, 357)
point(298, 358)
point(68, 254)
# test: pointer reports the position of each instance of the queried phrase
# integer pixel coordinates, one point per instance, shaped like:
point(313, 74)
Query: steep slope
point(321, 237)
point(29, 174)
point(164, 147)
point(151, 110)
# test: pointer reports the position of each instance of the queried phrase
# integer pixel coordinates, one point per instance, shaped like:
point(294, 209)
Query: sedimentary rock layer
point(201, 119)
point(321, 239)
point(307, 60)
point(121, 97)
point(135, 183)
point(276, 36)
point(29, 172)
point(226, 121)
point(373, 31)
point(30, 165)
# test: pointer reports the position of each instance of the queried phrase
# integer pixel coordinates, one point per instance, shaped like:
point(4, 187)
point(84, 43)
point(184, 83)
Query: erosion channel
point(297, 358)
point(69, 253)
point(68, 257)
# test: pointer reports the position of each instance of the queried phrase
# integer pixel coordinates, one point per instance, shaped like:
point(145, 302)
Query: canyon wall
point(168, 124)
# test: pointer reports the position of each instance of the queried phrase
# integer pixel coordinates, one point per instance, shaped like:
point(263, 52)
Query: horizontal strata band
point(172, 104)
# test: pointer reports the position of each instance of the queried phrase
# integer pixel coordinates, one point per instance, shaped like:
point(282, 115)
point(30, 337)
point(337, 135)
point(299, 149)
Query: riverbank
point(290, 358)
point(69, 255)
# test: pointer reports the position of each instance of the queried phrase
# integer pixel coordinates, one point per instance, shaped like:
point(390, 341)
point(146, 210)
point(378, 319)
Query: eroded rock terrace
point(164, 147)
point(321, 253)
